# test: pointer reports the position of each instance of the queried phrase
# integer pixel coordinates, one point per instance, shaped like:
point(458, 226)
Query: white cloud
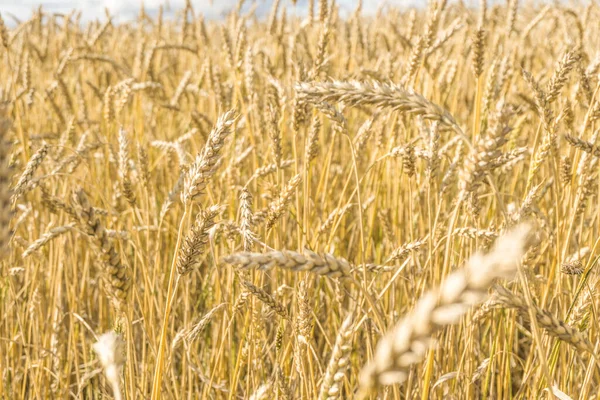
point(209, 8)
point(124, 10)
point(121, 9)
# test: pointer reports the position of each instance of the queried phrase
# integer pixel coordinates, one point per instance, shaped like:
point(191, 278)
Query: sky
point(124, 10)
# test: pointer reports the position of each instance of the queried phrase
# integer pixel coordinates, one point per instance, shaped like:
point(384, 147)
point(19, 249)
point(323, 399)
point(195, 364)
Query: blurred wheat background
point(392, 203)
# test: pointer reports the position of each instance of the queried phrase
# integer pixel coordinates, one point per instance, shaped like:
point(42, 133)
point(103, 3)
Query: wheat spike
point(407, 341)
point(326, 265)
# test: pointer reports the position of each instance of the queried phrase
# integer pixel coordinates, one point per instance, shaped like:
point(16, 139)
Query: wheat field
point(399, 204)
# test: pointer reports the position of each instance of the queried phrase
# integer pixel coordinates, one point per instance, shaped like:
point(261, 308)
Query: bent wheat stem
point(158, 372)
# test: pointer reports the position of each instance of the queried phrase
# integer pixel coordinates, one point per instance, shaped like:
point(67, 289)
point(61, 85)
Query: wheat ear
point(326, 265)
point(206, 162)
point(552, 325)
point(406, 343)
point(382, 95)
point(116, 273)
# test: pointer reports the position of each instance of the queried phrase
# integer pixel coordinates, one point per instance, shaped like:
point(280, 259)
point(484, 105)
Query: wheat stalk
point(5, 177)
